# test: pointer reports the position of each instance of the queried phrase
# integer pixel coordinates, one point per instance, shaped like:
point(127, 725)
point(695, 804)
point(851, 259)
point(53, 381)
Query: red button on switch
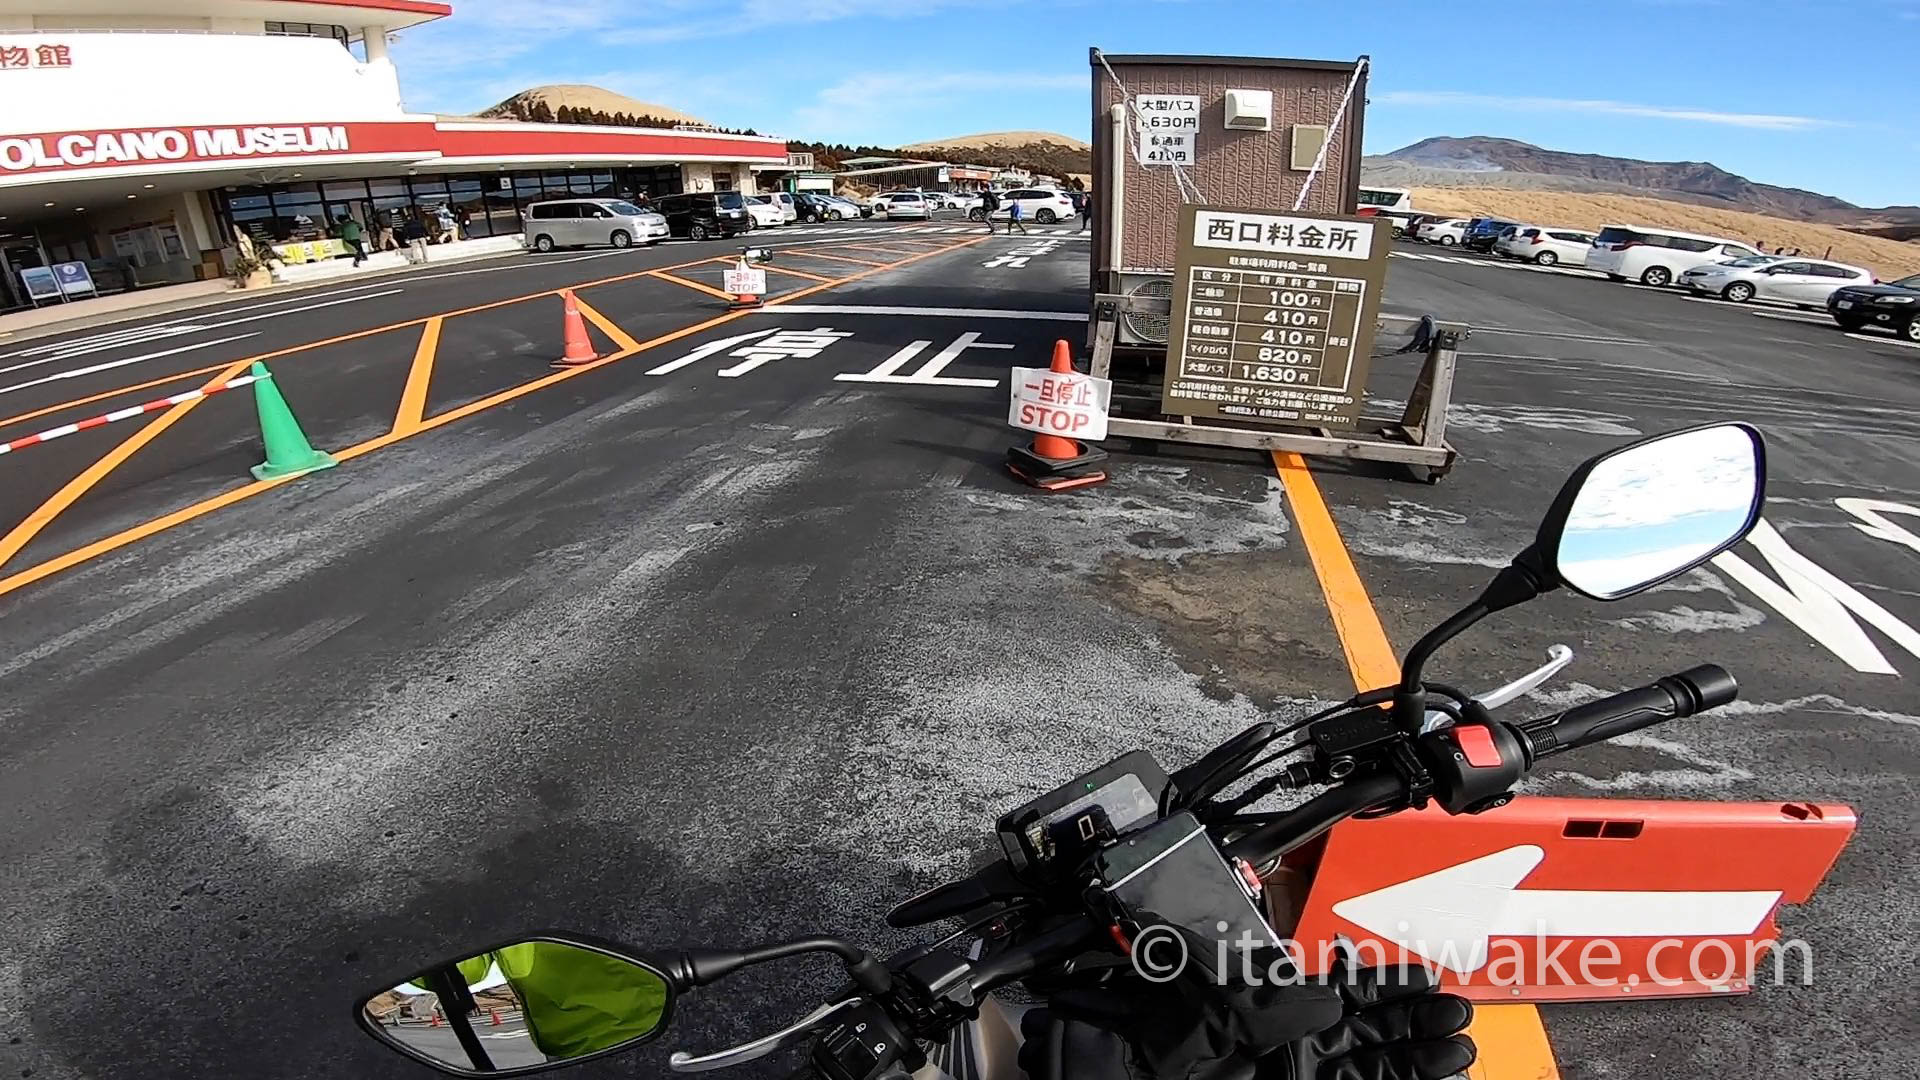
point(1476, 744)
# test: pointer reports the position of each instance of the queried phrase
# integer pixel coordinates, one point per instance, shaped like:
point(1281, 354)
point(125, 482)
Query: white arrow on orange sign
point(1448, 917)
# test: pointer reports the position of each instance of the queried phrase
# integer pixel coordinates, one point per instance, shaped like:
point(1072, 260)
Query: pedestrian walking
point(1086, 211)
point(1013, 217)
point(989, 202)
point(351, 234)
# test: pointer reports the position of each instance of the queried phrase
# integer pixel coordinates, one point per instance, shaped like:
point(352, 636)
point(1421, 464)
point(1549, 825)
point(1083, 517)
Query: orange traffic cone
point(495, 1013)
point(1055, 462)
point(434, 1021)
point(579, 345)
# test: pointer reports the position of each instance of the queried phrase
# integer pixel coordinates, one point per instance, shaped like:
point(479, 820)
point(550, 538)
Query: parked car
point(580, 222)
point(1806, 282)
point(1446, 232)
point(1546, 246)
point(1483, 232)
point(1039, 205)
point(899, 205)
point(1411, 229)
point(699, 215)
point(809, 206)
point(765, 212)
point(789, 208)
point(841, 208)
point(1894, 305)
point(1657, 256)
point(963, 200)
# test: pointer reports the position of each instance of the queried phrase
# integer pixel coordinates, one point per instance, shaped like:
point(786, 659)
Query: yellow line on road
point(607, 326)
point(1512, 1041)
point(43, 516)
point(413, 399)
point(188, 513)
point(835, 258)
point(691, 284)
point(798, 273)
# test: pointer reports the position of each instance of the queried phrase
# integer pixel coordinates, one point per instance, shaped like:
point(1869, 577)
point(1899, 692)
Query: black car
point(1482, 232)
point(702, 214)
point(1894, 305)
point(812, 207)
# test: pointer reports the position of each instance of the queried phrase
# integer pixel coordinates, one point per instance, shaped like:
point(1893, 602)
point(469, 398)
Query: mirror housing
point(545, 1000)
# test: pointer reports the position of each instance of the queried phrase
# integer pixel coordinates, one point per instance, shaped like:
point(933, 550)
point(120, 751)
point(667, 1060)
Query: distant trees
point(1049, 158)
point(537, 111)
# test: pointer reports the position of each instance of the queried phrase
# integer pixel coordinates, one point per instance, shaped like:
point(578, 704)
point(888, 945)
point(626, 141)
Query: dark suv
point(1895, 305)
point(1482, 232)
point(702, 214)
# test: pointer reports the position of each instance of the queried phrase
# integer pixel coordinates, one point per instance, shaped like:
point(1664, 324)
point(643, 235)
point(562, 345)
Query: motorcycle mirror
point(524, 1006)
point(1637, 516)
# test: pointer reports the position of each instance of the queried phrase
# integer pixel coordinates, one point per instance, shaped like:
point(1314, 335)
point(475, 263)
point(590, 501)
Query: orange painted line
point(22, 534)
point(691, 284)
point(607, 326)
point(881, 248)
point(160, 524)
point(105, 394)
point(413, 399)
point(1512, 1040)
point(797, 273)
point(835, 258)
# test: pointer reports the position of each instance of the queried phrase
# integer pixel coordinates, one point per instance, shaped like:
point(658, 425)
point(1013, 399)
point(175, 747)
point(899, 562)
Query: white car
point(1654, 256)
point(764, 211)
point(1545, 245)
point(963, 200)
point(1446, 233)
point(789, 208)
point(1039, 205)
point(1786, 278)
point(841, 208)
point(901, 205)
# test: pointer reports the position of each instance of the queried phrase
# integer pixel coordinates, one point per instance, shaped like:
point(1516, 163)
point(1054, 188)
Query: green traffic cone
point(288, 452)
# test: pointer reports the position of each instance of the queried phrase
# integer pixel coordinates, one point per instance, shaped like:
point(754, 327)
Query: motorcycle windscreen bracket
point(1550, 899)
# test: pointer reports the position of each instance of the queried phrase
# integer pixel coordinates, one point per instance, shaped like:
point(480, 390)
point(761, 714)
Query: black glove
point(1395, 1025)
point(1369, 1024)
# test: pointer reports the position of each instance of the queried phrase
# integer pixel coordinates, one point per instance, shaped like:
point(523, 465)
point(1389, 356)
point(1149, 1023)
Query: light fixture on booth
point(133, 196)
point(146, 186)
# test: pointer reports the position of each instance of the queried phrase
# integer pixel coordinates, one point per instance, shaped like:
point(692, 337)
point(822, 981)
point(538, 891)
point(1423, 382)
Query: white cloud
point(1459, 99)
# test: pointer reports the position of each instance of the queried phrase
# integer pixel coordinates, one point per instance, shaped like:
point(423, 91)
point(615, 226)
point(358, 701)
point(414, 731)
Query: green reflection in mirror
point(522, 1006)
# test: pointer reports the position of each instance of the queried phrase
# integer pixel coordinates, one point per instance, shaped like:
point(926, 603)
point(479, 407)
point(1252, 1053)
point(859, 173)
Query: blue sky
point(1818, 94)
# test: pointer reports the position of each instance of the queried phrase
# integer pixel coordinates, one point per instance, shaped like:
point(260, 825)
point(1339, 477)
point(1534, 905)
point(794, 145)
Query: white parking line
point(148, 328)
point(1517, 332)
point(1792, 317)
point(111, 364)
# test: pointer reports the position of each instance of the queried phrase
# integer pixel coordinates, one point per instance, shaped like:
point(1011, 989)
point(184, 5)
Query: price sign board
point(1166, 125)
point(1273, 315)
point(1060, 403)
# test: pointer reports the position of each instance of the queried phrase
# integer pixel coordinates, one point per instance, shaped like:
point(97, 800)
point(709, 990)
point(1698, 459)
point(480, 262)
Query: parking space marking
point(147, 328)
point(42, 516)
point(124, 361)
point(1885, 341)
point(1512, 1040)
point(413, 399)
point(621, 339)
point(135, 533)
point(1515, 331)
point(791, 272)
point(835, 258)
point(689, 283)
point(1784, 316)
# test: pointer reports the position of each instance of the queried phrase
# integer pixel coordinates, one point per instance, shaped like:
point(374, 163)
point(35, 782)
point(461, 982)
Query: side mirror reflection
point(1634, 517)
point(522, 1007)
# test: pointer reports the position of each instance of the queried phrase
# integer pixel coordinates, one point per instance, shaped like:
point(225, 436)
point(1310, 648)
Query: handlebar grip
point(1707, 686)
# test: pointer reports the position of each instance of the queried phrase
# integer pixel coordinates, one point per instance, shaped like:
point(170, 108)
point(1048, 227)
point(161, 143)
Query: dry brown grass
point(581, 96)
point(1887, 258)
point(988, 139)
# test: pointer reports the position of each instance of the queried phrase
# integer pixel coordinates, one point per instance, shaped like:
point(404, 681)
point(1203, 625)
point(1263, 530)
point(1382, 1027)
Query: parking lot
point(743, 632)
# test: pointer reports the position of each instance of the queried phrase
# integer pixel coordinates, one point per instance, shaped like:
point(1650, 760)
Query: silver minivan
point(579, 222)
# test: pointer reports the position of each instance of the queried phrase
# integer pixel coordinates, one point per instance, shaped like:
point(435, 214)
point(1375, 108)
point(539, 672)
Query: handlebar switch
point(863, 1045)
point(1474, 765)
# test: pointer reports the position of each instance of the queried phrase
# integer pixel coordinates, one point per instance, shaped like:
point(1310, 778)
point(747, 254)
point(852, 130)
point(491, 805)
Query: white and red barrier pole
point(128, 413)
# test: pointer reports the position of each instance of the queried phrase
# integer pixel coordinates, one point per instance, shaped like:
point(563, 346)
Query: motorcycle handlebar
point(1315, 816)
point(1704, 687)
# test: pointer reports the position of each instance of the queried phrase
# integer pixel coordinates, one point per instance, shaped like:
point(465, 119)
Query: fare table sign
point(1273, 315)
point(1165, 126)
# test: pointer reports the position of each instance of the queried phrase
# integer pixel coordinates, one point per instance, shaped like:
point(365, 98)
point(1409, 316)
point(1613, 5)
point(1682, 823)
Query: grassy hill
point(1887, 258)
point(1041, 151)
point(527, 104)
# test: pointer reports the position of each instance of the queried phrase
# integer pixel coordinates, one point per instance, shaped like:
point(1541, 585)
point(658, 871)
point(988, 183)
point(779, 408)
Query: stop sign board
point(1065, 403)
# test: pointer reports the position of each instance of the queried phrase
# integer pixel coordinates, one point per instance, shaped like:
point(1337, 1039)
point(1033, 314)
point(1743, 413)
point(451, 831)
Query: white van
point(1654, 256)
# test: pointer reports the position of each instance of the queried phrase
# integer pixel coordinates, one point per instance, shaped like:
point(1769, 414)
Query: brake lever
point(681, 1061)
point(1558, 657)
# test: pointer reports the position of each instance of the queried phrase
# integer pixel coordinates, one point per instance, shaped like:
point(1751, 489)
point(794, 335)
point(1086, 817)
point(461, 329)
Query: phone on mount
point(1171, 872)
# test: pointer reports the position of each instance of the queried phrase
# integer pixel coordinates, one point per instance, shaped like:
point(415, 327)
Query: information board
point(40, 283)
point(1273, 315)
point(1165, 125)
point(74, 278)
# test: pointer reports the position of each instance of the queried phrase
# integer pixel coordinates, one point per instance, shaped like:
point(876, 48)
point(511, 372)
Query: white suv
point(1040, 205)
point(901, 204)
point(1655, 256)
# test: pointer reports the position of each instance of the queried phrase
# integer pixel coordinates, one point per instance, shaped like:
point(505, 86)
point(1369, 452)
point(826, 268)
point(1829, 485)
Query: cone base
point(271, 471)
point(568, 361)
point(1058, 483)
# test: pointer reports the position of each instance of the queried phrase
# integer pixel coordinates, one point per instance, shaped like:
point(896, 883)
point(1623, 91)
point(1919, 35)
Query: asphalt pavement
point(746, 634)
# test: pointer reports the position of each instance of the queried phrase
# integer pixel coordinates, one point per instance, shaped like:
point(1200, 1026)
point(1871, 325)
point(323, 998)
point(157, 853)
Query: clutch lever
point(1558, 657)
